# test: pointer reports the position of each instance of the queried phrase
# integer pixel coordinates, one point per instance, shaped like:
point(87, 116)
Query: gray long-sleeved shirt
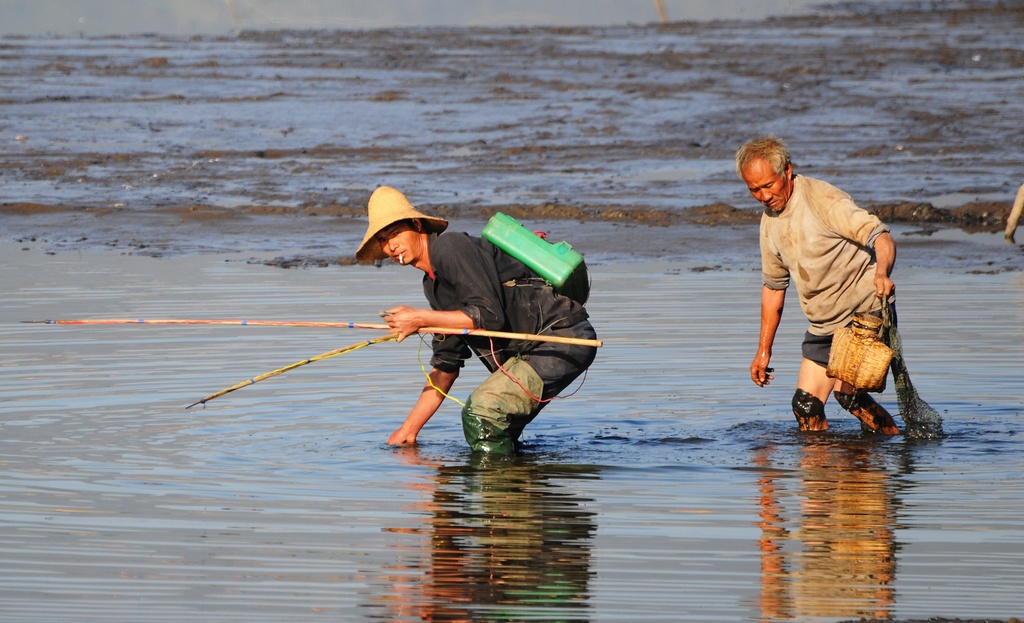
point(824, 243)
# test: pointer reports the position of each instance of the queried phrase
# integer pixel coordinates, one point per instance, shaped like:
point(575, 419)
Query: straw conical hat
point(388, 206)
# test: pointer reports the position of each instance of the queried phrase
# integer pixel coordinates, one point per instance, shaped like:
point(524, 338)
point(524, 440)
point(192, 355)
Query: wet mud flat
point(274, 140)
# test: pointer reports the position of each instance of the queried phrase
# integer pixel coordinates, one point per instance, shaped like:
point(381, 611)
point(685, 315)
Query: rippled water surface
point(667, 488)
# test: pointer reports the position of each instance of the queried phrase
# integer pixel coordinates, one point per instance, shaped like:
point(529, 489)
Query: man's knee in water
point(852, 401)
point(873, 416)
point(809, 411)
point(486, 431)
point(497, 411)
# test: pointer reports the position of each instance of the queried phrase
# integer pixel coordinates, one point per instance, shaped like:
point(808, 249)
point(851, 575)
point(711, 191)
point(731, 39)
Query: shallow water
point(667, 488)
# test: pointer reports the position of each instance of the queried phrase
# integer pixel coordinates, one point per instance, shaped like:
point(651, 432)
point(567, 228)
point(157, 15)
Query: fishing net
point(920, 420)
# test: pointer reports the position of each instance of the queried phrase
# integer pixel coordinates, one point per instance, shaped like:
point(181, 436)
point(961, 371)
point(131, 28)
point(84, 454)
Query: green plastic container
point(558, 264)
point(553, 262)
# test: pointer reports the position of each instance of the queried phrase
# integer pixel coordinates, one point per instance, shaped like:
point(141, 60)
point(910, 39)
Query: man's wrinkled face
point(768, 187)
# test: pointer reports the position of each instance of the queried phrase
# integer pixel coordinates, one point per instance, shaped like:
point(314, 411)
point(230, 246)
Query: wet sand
point(272, 141)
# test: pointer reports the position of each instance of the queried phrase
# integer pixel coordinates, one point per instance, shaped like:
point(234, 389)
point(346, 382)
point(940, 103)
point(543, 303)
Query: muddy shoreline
point(717, 236)
point(617, 139)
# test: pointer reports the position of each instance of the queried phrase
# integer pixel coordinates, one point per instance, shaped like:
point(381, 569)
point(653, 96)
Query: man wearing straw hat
point(839, 257)
point(471, 284)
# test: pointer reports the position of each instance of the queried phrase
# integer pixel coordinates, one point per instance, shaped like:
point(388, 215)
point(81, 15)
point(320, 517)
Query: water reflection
point(503, 539)
point(827, 533)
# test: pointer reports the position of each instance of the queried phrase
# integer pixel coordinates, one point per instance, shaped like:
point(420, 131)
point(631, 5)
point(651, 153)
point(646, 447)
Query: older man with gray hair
point(840, 259)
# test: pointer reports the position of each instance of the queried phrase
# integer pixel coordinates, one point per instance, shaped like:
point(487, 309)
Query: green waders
point(499, 409)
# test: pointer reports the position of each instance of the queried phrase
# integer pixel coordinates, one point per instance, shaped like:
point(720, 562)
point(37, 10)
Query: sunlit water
point(667, 488)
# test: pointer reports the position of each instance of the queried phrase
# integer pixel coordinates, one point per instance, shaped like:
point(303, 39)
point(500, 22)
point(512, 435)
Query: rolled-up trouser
point(500, 408)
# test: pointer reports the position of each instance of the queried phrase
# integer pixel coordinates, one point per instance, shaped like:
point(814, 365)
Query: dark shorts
point(816, 348)
point(558, 365)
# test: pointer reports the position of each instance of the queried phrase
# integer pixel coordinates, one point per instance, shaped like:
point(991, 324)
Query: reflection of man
point(833, 556)
point(508, 541)
point(837, 255)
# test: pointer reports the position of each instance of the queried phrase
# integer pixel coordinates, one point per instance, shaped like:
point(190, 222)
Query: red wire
point(494, 357)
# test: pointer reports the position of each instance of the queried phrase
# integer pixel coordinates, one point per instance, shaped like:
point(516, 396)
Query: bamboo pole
point(556, 339)
point(328, 354)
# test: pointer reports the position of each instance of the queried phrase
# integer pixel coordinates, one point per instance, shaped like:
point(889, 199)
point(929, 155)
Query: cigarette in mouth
point(401, 259)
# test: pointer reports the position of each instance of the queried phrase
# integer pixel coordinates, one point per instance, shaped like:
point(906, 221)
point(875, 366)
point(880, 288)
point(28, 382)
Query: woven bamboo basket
point(858, 356)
